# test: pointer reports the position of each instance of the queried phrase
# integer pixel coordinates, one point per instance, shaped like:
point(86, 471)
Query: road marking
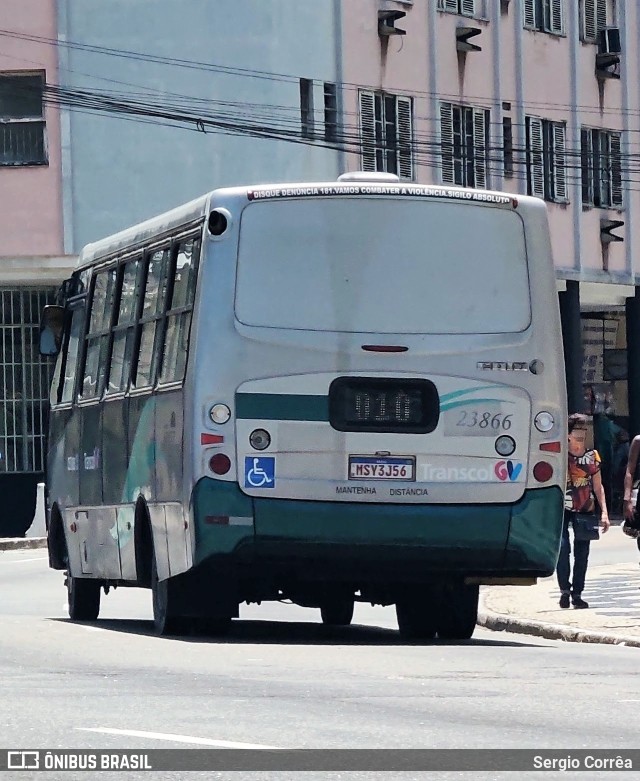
point(135, 733)
point(24, 561)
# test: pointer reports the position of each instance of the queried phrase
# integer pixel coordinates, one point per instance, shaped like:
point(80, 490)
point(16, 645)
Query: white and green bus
point(316, 392)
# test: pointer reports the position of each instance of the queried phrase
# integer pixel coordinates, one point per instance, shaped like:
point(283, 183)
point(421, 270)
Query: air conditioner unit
point(609, 41)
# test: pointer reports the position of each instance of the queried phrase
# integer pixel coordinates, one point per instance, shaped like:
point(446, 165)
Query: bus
point(321, 392)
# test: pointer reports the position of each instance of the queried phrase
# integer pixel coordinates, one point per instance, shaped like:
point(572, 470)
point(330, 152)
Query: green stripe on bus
point(281, 406)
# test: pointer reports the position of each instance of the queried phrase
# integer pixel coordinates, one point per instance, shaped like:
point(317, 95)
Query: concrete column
point(633, 361)
point(572, 340)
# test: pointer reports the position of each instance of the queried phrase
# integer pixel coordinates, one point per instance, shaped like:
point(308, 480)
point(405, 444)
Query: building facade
point(32, 258)
point(529, 97)
point(112, 112)
point(188, 96)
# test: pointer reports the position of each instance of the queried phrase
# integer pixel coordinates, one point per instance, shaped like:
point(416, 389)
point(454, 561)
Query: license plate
point(382, 468)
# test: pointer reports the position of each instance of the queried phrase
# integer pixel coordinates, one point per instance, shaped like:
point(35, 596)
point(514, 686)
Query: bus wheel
point(337, 611)
point(165, 621)
point(458, 611)
point(416, 617)
point(83, 598)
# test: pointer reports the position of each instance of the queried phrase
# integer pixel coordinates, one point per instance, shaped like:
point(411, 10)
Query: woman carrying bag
point(584, 487)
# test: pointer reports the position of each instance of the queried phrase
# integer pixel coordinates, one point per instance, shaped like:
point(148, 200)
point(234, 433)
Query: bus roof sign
point(371, 188)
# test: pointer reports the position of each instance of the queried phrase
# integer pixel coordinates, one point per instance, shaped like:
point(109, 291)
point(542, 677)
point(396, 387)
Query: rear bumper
point(376, 540)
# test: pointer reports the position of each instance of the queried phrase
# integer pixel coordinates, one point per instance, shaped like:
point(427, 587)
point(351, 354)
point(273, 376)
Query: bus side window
point(97, 339)
point(176, 342)
point(70, 357)
point(124, 328)
point(153, 307)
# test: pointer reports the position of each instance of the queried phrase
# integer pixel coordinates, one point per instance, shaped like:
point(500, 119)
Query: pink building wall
point(539, 74)
point(30, 196)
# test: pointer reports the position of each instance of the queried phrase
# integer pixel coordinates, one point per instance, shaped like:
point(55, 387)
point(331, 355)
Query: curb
point(23, 542)
point(498, 622)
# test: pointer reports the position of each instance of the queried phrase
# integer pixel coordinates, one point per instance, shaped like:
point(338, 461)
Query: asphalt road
point(283, 680)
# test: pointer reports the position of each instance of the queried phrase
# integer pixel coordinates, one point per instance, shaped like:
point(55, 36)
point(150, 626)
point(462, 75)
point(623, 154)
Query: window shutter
point(616, 170)
point(405, 138)
point(448, 5)
point(507, 146)
point(529, 10)
point(367, 131)
point(468, 7)
point(480, 172)
point(557, 17)
point(536, 156)
point(586, 156)
point(602, 166)
point(559, 162)
point(589, 20)
point(446, 142)
point(601, 15)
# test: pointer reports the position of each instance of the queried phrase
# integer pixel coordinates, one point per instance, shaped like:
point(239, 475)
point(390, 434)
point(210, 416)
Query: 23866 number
point(484, 420)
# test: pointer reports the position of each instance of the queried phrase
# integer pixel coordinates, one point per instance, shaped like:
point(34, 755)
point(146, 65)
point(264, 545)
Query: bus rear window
point(376, 265)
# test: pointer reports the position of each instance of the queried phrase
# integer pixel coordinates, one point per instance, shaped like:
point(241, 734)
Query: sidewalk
point(613, 594)
point(16, 543)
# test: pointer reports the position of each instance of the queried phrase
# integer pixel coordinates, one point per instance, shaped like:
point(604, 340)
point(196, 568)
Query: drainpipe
point(339, 63)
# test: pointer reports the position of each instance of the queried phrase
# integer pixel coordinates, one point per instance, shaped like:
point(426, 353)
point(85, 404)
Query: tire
point(416, 617)
point(458, 612)
point(337, 612)
point(83, 598)
point(165, 620)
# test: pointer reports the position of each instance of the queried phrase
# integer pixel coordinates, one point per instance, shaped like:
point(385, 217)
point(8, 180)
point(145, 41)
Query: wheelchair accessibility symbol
point(259, 472)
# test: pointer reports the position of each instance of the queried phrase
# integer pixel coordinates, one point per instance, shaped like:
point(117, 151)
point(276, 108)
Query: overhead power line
point(232, 119)
point(199, 65)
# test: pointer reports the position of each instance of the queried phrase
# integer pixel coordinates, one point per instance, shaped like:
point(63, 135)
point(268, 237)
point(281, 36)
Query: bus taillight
point(543, 471)
point(220, 464)
point(551, 447)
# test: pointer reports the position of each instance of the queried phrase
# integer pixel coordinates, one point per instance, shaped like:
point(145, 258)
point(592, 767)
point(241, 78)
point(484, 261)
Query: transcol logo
point(502, 470)
point(507, 470)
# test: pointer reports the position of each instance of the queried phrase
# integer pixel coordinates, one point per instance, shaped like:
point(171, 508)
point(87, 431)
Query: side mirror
point(51, 329)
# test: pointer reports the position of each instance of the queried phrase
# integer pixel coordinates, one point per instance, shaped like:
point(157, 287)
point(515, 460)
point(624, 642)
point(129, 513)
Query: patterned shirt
point(579, 494)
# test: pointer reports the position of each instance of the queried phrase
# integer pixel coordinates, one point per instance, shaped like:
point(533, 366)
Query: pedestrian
point(631, 525)
point(584, 487)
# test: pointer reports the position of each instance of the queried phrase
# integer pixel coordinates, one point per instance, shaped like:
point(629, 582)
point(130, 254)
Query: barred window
point(307, 118)
point(386, 133)
point(464, 132)
point(601, 168)
point(22, 125)
point(595, 16)
point(330, 112)
point(25, 378)
point(546, 159)
point(544, 15)
point(466, 7)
